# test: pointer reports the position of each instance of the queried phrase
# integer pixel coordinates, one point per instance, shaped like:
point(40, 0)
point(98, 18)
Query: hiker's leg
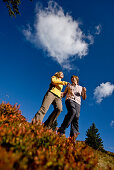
point(74, 127)
point(69, 116)
point(57, 103)
point(74, 131)
point(47, 101)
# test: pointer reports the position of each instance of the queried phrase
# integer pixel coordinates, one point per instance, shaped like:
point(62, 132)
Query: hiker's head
point(59, 74)
point(75, 79)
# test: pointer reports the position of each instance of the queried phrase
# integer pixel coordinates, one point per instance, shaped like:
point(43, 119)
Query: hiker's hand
point(68, 84)
point(84, 89)
point(62, 94)
point(83, 93)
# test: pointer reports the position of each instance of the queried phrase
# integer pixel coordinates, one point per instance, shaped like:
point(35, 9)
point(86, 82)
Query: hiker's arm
point(63, 94)
point(83, 94)
point(56, 81)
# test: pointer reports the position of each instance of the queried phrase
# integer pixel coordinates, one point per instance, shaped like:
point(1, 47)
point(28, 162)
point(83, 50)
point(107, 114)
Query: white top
point(74, 93)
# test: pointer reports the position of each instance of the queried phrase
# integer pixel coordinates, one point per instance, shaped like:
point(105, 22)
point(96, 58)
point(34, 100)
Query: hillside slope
point(27, 146)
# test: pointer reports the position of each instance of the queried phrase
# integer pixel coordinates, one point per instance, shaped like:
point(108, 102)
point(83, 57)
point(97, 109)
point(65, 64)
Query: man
point(73, 93)
point(53, 96)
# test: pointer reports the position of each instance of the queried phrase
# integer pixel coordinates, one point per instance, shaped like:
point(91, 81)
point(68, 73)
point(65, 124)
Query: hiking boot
point(75, 136)
point(61, 132)
point(35, 122)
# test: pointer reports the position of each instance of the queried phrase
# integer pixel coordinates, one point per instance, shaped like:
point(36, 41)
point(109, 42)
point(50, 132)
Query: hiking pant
point(49, 99)
point(72, 117)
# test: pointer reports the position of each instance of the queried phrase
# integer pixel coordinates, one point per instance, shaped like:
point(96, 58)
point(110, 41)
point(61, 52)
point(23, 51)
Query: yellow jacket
point(56, 85)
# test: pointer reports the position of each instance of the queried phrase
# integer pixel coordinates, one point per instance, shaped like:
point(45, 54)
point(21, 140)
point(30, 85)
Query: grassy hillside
point(105, 160)
point(27, 146)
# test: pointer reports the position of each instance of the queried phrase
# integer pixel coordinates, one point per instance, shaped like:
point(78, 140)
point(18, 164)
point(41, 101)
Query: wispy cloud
point(112, 123)
point(7, 95)
point(90, 38)
point(4, 96)
point(103, 91)
point(110, 148)
point(28, 32)
point(98, 29)
point(58, 34)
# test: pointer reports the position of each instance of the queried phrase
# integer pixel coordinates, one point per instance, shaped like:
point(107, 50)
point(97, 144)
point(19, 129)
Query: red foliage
point(27, 146)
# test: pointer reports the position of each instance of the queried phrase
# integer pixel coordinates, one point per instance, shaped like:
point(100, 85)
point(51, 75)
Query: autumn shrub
point(27, 146)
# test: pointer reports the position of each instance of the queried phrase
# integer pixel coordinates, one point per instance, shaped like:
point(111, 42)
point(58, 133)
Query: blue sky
point(75, 37)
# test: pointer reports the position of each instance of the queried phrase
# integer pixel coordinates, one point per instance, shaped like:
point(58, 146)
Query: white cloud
point(102, 91)
point(112, 123)
point(98, 29)
point(58, 34)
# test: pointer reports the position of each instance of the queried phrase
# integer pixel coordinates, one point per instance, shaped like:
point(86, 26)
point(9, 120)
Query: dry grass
point(105, 160)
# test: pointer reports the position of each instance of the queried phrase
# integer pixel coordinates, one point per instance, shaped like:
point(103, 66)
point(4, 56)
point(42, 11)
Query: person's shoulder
point(80, 87)
point(53, 77)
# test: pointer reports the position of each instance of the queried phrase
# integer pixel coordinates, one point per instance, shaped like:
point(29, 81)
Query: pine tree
point(93, 138)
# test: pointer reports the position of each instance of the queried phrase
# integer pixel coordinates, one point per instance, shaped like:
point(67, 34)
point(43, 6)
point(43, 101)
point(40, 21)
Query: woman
point(73, 93)
point(53, 96)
